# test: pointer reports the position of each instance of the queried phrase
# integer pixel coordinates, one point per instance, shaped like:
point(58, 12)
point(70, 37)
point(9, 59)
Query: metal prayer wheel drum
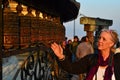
point(22, 31)
point(11, 30)
point(25, 31)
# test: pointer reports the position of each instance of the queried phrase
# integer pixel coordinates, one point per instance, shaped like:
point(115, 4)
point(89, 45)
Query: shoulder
point(117, 52)
point(92, 58)
point(82, 44)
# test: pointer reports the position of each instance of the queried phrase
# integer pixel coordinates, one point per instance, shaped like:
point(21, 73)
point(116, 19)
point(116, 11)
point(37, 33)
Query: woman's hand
point(57, 50)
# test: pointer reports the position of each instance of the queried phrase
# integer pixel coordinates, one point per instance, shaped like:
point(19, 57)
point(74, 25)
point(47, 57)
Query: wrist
point(62, 58)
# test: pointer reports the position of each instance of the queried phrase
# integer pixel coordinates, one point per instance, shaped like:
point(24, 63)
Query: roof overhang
point(66, 9)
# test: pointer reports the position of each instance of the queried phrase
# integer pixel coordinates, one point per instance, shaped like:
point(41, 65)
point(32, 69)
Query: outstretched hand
point(57, 50)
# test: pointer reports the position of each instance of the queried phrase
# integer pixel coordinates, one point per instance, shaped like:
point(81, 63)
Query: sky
point(106, 9)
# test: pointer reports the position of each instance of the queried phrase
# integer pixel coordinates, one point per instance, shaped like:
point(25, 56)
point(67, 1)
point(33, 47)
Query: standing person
point(73, 50)
point(105, 65)
point(63, 44)
point(69, 44)
point(74, 47)
point(83, 49)
point(66, 40)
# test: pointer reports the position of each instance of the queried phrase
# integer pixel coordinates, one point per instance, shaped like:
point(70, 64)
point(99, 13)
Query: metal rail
point(39, 65)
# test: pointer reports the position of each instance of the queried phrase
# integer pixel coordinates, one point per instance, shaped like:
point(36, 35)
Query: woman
point(101, 66)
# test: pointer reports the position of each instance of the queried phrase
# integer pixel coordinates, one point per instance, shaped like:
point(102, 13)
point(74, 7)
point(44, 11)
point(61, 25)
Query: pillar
point(90, 31)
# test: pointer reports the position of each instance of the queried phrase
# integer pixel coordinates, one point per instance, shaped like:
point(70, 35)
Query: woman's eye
point(104, 39)
point(99, 37)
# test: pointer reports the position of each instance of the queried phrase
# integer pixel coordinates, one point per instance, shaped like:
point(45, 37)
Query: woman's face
point(105, 41)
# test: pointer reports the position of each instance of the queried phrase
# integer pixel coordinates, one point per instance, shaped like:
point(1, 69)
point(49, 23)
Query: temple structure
point(28, 26)
point(33, 21)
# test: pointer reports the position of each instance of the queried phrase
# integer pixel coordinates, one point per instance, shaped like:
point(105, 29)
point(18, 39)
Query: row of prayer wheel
point(21, 31)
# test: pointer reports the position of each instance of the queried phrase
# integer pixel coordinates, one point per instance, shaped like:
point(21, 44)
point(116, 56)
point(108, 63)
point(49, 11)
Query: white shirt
point(101, 72)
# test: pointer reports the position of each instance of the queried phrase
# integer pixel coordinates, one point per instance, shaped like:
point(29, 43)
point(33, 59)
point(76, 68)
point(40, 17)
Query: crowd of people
point(79, 48)
point(78, 57)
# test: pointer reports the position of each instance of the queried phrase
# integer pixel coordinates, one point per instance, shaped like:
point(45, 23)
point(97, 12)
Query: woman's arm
point(78, 67)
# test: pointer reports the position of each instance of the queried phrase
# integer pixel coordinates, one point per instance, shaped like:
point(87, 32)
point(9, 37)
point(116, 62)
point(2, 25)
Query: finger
point(60, 47)
point(55, 44)
point(52, 46)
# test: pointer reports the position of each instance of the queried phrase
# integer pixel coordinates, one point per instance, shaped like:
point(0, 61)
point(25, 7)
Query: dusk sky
point(105, 9)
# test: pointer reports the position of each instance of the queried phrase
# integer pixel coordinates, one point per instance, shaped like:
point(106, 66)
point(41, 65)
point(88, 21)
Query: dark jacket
point(87, 62)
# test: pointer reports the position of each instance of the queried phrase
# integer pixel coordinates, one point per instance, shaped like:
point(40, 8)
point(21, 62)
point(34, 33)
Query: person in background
point(83, 49)
point(63, 44)
point(66, 40)
point(104, 65)
point(74, 47)
point(69, 44)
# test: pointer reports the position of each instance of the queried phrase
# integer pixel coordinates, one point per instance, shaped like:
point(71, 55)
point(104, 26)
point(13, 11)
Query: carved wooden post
point(49, 18)
point(1, 37)
point(29, 10)
point(19, 9)
point(44, 15)
point(37, 13)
